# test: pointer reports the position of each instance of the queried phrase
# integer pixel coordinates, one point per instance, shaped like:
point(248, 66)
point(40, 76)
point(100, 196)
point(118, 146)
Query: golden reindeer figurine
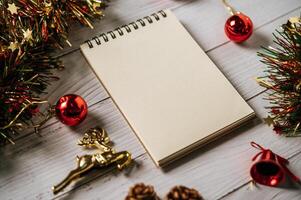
point(97, 138)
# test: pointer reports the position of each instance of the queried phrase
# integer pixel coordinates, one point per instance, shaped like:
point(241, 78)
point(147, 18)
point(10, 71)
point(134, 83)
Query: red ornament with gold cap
point(71, 109)
point(238, 27)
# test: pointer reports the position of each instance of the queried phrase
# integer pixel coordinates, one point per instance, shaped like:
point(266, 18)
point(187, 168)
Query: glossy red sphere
point(238, 27)
point(71, 109)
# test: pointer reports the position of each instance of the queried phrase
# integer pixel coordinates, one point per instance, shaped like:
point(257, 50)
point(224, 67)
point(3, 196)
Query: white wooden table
point(219, 171)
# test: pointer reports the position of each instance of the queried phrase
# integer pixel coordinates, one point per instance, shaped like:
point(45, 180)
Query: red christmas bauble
point(238, 27)
point(71, 109)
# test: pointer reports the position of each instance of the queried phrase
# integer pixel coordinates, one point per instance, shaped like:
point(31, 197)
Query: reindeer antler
point(96, 137)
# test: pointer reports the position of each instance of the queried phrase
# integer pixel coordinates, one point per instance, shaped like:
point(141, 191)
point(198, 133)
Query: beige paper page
point(171, 93)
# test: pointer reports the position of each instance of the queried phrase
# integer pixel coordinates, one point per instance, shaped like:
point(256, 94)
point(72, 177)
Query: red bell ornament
point(71, 109)
point(270, 169)
point(238, 26)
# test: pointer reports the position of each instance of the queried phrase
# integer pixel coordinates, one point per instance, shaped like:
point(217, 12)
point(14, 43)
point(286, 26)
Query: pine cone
point(183, 193)
point(142, 192)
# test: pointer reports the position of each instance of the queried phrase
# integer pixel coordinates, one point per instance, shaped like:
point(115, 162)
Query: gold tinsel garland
point(29, 30)
point(282, 79)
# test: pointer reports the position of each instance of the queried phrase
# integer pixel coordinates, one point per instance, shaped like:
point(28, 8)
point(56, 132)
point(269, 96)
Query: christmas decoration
point(12, 8)
point(270, 169)
point(283, 79)
point(106, 156)
point(24, 75)
point(142, 192)
point(29, 29)
point(35, 21)
point(71, 109)
point(238, 26)
point(183, 193)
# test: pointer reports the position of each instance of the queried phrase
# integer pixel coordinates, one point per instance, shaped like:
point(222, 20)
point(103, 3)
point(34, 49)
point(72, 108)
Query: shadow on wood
point(290, 184)
point(93, 175)
point(212, 145)
point(90, 121)
point(256, 41)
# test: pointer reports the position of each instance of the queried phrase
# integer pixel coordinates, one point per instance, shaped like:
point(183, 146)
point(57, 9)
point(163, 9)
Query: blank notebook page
point(170, 92)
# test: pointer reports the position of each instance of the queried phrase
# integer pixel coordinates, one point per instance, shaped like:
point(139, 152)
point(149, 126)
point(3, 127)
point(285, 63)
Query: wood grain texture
point(203, 18)
point(76, 78)
point(240, 63)
point(219, 170)
point(230, 159)
point(263, 192)
point(32, 168)
point(119, 12)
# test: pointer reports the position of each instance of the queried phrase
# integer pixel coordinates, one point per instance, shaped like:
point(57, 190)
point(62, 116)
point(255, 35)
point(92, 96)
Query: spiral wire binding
point(128, 28)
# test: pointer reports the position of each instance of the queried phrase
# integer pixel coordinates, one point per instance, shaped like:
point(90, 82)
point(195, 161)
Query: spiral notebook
point(170, 92)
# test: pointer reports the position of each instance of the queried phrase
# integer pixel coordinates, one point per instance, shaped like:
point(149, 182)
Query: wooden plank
point(264, 192)
point(76, 78)
point(33, 167)
point(118, 13)
point(204, 19)
point(240, 63)
point(214, 170)
point(29, 168)
point(34, 164)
